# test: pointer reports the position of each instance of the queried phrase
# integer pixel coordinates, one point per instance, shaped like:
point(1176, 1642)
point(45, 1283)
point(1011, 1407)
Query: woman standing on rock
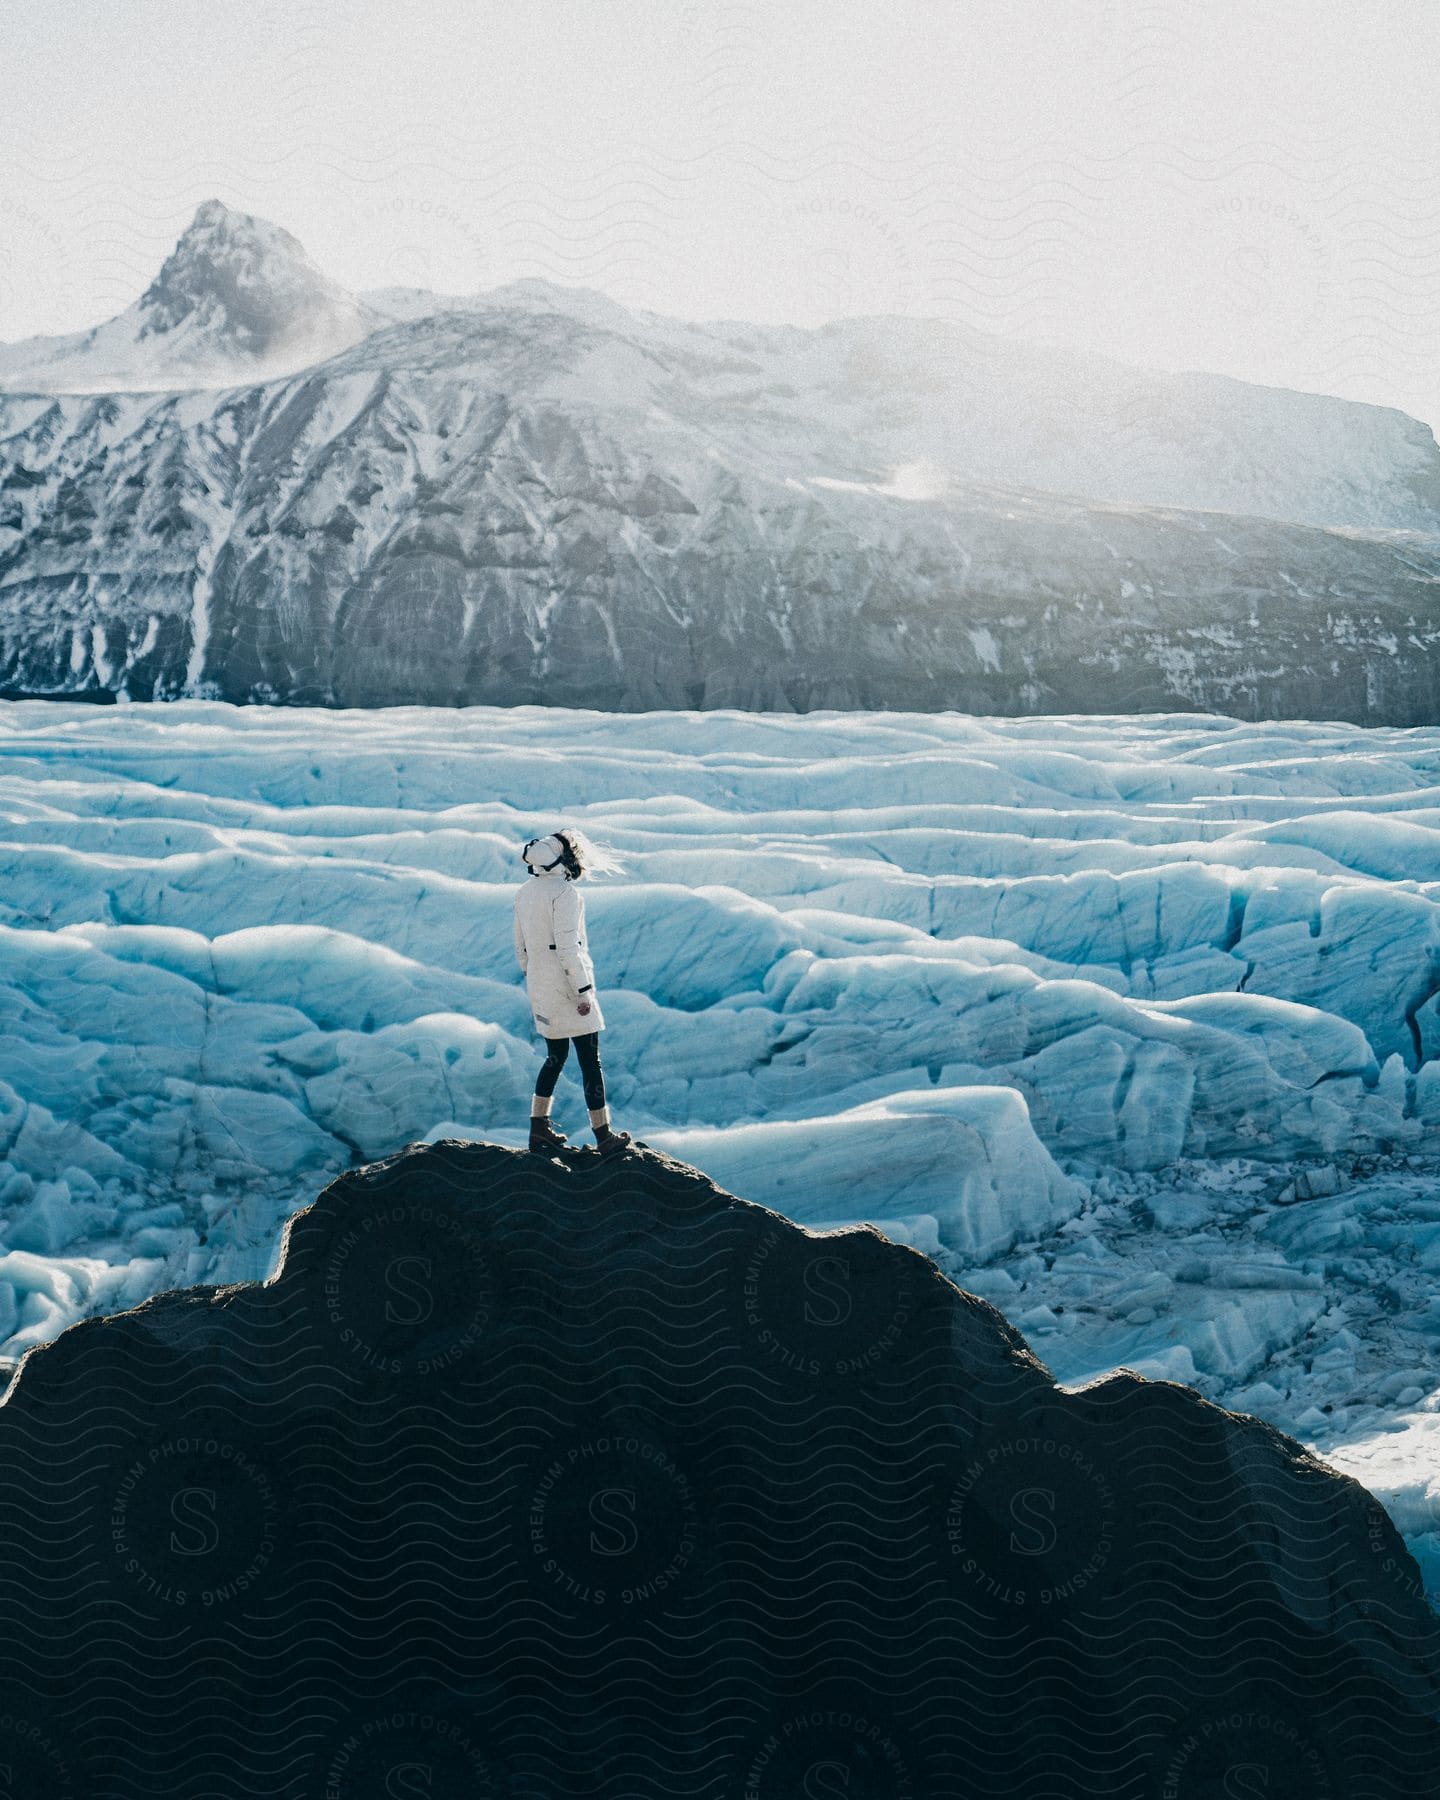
point(560, 980)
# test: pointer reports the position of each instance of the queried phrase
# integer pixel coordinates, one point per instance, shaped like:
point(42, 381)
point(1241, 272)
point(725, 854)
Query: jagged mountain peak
point(214, 212)
point(244, 282)
point(238, 299)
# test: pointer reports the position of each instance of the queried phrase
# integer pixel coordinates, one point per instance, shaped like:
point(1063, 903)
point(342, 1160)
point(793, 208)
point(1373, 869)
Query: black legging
point(587, 1049)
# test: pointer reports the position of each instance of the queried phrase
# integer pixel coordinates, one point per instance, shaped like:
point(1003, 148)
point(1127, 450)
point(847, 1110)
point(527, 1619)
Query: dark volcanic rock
point(532, 1479)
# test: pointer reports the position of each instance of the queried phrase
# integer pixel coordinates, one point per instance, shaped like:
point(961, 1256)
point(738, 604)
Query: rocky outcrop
point(533, 1478)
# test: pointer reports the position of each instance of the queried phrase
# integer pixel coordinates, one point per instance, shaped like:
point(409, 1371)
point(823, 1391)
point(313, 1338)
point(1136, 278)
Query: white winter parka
point(550, 945)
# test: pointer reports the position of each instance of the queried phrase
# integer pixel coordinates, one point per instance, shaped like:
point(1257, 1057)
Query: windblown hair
point(594, 859)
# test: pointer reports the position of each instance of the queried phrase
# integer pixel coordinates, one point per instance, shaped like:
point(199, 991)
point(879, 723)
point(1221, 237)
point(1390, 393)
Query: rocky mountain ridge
point(539, 496)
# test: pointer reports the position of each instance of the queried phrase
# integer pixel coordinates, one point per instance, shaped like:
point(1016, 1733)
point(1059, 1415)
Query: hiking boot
point(614, 1143)
point(545, 1140)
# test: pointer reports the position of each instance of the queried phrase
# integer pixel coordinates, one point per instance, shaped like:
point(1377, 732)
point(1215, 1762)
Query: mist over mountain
point(255, 485)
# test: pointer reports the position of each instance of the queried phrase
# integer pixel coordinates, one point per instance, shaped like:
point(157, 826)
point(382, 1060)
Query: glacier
point(1132, 1022)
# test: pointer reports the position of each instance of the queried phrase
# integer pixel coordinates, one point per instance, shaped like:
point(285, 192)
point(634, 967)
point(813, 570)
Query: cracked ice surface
point(1067, 1002)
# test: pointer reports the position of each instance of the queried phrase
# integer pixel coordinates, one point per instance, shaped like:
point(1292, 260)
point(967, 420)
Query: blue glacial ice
point(1132, 1022)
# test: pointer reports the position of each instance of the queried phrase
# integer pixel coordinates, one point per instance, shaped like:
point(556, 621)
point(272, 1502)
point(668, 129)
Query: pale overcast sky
point(1241, 185)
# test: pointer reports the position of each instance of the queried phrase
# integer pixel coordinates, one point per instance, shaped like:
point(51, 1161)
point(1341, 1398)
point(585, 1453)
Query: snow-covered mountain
point(537, 494)
point(236, 300)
